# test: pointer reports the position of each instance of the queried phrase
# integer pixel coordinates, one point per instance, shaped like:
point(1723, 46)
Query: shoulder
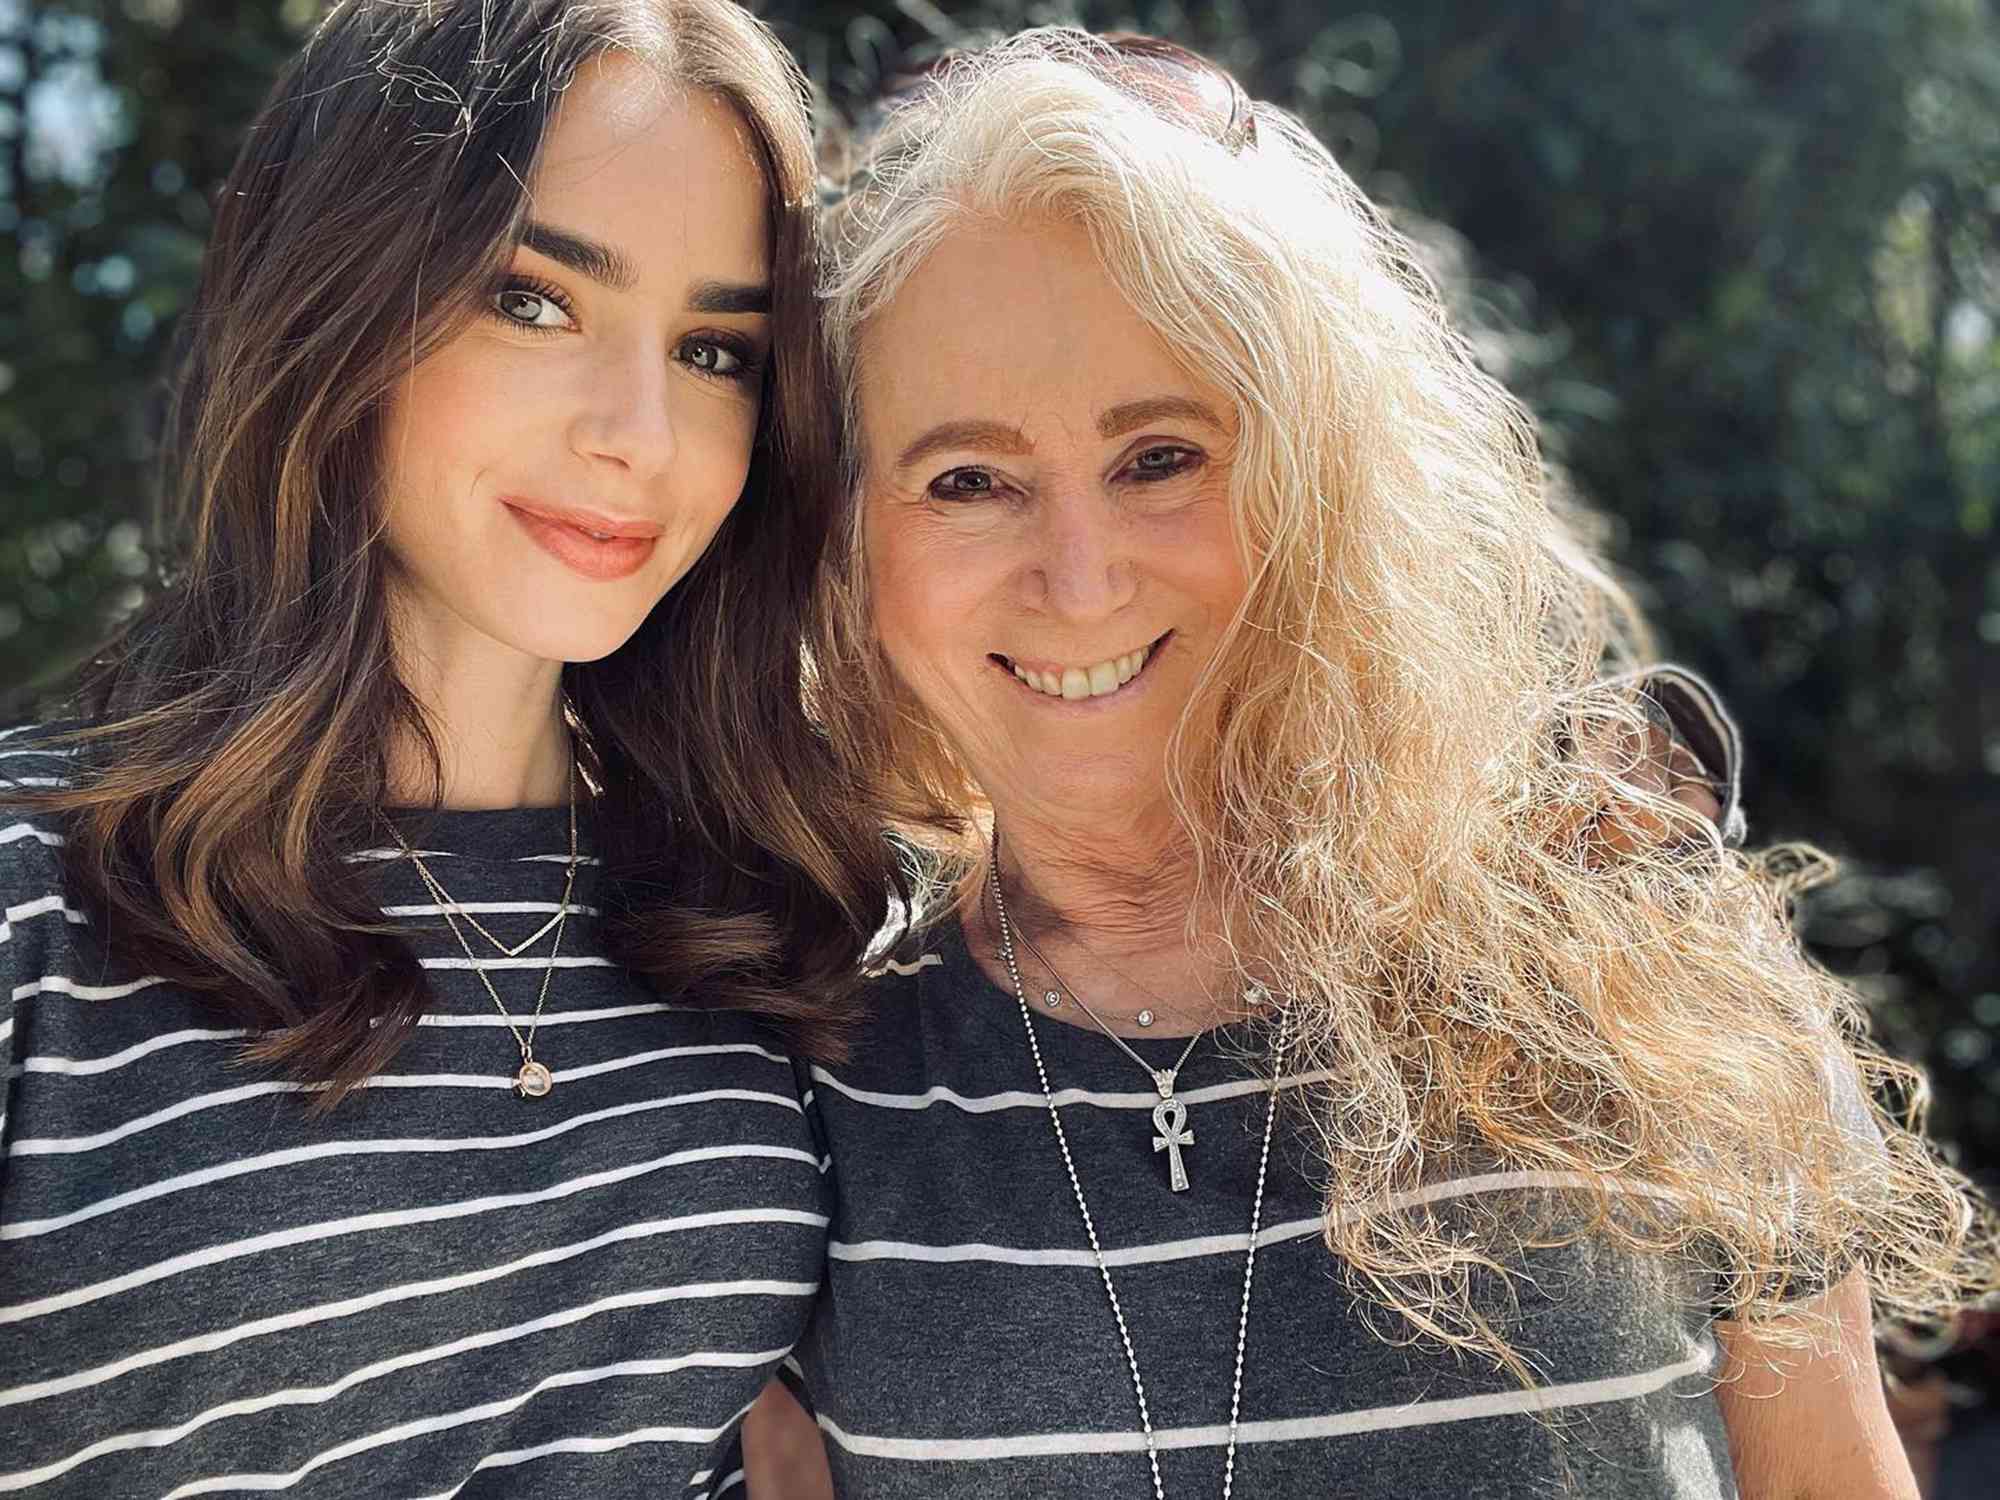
point(33, 760)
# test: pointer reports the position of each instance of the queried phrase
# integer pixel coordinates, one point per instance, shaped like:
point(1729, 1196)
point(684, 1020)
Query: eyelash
point(749, 360)
point(1190, 460)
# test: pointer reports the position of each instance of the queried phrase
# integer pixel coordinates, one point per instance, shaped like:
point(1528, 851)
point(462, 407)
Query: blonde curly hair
point(1377, 774)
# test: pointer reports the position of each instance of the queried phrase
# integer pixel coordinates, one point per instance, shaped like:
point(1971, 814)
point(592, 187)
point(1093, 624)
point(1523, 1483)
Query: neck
point(1110, 915)
point(495, 713)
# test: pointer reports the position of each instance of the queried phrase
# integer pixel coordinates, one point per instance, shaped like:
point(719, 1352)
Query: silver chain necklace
point(1170, 1114)
point(1090, 1226)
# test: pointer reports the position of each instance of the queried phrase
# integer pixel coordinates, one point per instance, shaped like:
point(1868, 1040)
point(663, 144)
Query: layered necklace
point(1169, 1115)
point(1163, 1080)
point(534, 1080)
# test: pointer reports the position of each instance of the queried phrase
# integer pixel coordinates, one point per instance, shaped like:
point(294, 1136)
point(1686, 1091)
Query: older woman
point(1284, 1089)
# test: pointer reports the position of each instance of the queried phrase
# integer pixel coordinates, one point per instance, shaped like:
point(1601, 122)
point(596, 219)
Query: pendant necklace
point(534, 1080)
point(1090, 1226)
point(1170, 1114)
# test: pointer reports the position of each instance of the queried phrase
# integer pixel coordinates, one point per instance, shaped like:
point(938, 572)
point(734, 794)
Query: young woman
point(357, 1138)
point(1207, 625)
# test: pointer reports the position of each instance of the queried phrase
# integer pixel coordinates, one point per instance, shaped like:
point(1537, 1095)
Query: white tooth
point(1019, 673)
point(1048, 682)
point(1075, 684)
point(1103, 679)
point(1125, 669)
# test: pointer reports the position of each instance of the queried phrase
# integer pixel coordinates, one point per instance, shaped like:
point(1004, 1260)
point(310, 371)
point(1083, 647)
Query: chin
point(572, 640)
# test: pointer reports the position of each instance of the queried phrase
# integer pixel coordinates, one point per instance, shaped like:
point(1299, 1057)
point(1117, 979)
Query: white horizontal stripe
point(363, 1223)
point(891, 966)
point(723, 1359)
point(326, 1150)
point(64, 1145)
point(979, 1104)
point(715, 1049)
point(389, 854)
point(60, 752)
point(58, 984)
point(595, 1445)
point(565, 961)
point(28, 831)
point(1130, 1255)
point(325, 1312)
point(693, 1435)
point(162, 1437)
point(221, 1098)
point(552, 1017)
point(478, 908)
point(1285, 1430)
point(1217, 1244)
point(41, 907)
point(79, 1066)
point(729, 1484)
point(34, 781)
point(8, 734)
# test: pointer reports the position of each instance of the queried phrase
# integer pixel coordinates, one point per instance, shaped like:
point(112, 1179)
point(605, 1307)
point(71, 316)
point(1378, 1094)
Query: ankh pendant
point(534, 1080)
point(1168, 1118)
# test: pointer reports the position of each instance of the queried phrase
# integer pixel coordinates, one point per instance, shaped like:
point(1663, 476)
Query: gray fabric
point(940, 1365)
point(442, 1289)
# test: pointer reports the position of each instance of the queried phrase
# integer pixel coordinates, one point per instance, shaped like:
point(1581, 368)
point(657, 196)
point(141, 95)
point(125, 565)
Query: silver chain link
point(1090, 1226)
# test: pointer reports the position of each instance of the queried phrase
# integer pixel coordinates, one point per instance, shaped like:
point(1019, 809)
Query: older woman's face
point(1047, 518)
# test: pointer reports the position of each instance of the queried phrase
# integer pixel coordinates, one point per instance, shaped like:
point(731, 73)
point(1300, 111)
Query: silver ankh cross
point(1168, 1118)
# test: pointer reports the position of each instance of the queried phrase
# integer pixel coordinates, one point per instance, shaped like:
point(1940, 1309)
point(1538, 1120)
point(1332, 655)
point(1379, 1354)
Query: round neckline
point(967, 978)
point(485, 832)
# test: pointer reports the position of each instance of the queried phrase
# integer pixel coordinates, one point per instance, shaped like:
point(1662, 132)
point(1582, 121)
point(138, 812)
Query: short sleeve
point(34, 912)
point(1862, 1149)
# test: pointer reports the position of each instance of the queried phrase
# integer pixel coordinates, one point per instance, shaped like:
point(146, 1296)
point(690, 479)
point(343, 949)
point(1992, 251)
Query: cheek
point(924, 595)
point(717, 439)
point(1197, 554)
point(449, 421)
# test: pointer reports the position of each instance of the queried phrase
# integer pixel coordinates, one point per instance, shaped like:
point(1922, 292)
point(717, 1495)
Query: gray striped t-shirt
point(964, 1347)
point(442, 1289)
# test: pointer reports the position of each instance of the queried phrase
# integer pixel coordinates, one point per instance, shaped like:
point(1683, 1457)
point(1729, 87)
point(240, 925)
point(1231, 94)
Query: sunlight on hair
point(1375, 776)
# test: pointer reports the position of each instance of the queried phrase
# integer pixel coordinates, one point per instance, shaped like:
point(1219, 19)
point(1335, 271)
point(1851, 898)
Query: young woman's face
point(1047, 518)
point(562, 462)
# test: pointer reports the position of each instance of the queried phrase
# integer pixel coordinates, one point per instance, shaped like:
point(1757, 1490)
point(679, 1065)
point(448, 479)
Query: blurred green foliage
point(1743, 256)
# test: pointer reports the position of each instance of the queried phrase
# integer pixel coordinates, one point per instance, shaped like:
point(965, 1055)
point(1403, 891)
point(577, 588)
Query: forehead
point(1013, 323)
point(669, 175)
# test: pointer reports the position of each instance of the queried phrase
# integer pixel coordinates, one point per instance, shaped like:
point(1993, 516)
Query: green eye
point(537, 307)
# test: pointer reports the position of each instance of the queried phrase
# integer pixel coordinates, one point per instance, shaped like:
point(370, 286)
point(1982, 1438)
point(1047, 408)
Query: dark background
point(1743, 256)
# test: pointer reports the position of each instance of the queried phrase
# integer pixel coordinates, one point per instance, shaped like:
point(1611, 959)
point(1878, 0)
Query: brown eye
point(962, 484)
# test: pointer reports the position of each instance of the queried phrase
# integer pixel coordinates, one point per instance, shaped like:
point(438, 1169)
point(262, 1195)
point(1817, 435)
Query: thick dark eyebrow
point(994, 437)
point(608, 266)
point(1120, 420)
point(730, 297)
point(587, 257)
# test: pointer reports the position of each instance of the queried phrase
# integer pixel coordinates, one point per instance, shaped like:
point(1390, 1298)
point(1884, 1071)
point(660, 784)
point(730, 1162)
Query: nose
point(625, 416)
point(1084, 569)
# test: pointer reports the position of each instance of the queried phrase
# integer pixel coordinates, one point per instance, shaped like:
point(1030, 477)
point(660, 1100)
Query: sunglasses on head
point(1182, 85)
point(1175, 82)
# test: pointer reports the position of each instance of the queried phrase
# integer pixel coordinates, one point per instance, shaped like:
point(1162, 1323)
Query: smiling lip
point(1039, 680)
point(597, 546)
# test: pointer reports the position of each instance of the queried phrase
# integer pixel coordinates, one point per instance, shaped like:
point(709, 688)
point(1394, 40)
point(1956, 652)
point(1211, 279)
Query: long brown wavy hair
point(236, 735)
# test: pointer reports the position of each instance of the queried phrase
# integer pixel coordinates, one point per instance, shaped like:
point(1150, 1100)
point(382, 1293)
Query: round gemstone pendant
point(533, 1081)
point(1145, 1018)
